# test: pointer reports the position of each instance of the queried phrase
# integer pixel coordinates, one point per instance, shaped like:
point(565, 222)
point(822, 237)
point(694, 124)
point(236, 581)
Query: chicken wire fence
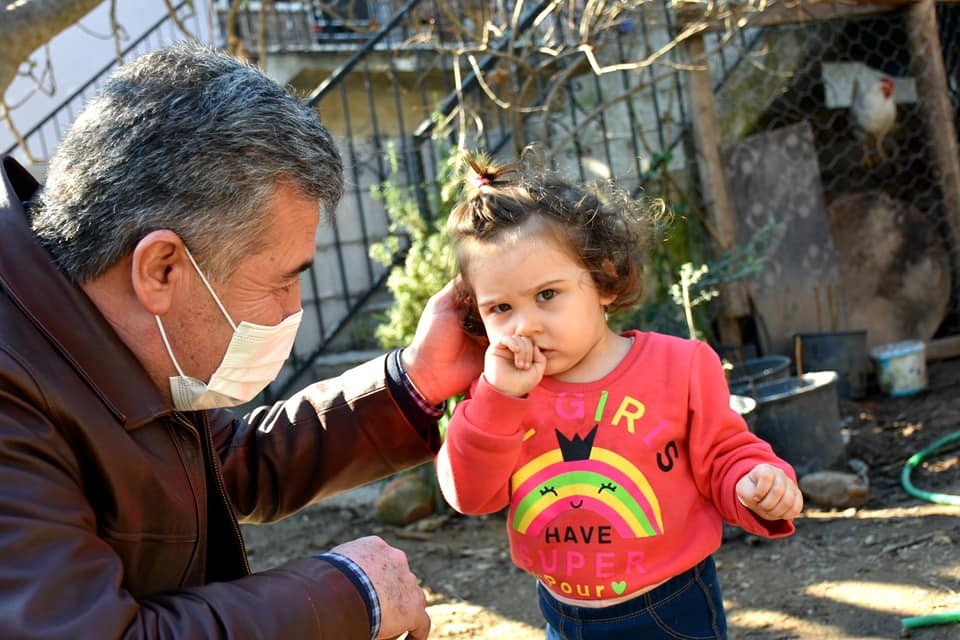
point(828, 132)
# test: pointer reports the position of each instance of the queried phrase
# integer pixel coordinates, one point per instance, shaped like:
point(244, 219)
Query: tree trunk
point(29, 24)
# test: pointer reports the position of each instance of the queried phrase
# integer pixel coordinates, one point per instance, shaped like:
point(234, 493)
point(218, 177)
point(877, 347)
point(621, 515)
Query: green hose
point(938, 498)
point(929, 621)
point(917, 458)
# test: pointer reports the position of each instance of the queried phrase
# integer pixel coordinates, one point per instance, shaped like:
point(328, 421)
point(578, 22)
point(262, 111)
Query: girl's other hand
point(770, 493)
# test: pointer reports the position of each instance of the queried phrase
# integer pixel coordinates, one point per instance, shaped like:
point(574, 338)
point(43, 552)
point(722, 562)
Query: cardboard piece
point(775, 175)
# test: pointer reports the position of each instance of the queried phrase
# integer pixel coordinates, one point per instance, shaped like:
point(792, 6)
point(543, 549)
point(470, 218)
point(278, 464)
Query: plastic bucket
point(746, 407)
point(800, 418)
point(744, 375)
point(738, 353)
point(901, 367)
point(842, 351)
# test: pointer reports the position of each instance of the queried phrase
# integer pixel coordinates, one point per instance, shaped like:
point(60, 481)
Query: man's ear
point(157, 265)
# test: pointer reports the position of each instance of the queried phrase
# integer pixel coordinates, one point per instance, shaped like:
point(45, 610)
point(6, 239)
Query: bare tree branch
point(234, 41)
point(5, 116)
point(265, 5)
point(116, 31)
point(176, 19)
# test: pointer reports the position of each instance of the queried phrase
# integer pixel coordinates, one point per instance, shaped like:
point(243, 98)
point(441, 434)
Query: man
point(150, 284)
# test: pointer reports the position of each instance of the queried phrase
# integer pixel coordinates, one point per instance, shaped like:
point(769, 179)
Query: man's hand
point(443, 359)
point(770, 493)
point(402, 602)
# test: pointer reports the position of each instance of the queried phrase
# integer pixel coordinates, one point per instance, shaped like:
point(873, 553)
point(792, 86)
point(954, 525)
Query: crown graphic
point(578, 448)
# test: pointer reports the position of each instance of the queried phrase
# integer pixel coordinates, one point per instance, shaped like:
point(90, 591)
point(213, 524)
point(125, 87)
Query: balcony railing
point(337, 24)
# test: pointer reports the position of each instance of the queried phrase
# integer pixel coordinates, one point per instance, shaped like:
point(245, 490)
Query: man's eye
point(547, 294)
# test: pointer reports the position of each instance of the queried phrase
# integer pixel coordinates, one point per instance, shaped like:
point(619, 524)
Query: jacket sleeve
point(481, 449)
point(724, 447)
point(60, 579)
point(331, 436)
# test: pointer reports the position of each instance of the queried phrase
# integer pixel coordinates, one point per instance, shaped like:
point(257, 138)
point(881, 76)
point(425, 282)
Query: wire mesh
point(869, 103)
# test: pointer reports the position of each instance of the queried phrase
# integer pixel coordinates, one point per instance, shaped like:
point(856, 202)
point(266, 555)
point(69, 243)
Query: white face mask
point(253, 359)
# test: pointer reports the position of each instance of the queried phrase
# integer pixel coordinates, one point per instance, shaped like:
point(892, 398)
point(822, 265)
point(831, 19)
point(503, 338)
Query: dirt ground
point(844, 575)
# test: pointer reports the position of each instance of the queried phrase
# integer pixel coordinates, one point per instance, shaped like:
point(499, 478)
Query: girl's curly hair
point(603, 227)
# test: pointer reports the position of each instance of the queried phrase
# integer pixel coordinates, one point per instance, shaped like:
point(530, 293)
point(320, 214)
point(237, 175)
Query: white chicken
point(874, 112)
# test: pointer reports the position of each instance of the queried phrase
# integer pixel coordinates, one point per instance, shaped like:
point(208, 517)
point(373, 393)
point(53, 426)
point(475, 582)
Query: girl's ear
point(158, 264)
point(610, 271)
point(472, 323)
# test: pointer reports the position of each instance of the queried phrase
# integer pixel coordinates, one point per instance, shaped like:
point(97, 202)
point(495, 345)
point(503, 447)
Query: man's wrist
point(364, 587)
point(435, 410)
point(406, 361)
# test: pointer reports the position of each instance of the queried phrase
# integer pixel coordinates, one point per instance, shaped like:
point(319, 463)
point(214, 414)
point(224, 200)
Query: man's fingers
point(422, 631)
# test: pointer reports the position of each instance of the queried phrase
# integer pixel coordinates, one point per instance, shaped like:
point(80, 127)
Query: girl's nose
point(529, 324)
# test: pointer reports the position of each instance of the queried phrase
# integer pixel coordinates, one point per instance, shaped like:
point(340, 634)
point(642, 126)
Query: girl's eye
point(547, 294)
point(500, 308)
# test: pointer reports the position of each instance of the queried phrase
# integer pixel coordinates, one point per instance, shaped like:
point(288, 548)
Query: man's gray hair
point(184, 138)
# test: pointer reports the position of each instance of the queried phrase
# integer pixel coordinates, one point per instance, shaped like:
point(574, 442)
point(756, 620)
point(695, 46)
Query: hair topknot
point(482, 171)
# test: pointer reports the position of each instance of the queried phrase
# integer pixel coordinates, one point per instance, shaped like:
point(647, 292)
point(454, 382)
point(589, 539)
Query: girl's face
point(532, 286)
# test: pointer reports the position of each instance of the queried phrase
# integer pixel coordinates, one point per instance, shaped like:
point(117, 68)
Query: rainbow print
point(607, 484)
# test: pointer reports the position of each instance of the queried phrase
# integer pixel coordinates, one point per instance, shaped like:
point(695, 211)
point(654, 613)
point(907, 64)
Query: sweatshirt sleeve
point(724, 448)
point(481, 449)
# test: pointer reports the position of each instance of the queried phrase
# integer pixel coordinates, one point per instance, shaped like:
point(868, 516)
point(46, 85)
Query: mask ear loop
point(166, 343)
point(210, 289)
point(163, 333)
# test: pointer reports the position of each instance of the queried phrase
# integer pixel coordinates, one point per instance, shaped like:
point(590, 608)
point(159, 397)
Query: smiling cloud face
point(579, 476)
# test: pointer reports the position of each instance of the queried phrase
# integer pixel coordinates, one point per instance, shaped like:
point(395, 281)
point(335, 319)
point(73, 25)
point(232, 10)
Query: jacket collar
point(64, 313)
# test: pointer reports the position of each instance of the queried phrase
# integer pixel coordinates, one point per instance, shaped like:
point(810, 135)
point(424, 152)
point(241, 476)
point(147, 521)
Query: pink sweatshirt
point(613, 485)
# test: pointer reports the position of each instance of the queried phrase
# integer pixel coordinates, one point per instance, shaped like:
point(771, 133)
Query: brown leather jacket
point(118, 514)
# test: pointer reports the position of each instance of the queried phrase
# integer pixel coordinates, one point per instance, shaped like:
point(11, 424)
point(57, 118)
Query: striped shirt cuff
point(363, 584)
point(432, 410)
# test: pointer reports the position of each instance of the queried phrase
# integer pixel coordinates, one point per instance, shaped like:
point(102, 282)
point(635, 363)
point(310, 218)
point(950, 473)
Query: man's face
point(263, 289)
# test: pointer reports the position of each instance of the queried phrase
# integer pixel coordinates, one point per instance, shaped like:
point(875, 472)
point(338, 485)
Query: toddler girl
point(618, 454)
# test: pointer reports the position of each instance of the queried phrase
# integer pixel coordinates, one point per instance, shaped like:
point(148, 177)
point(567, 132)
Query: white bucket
point(744, 405)
point(901, 367)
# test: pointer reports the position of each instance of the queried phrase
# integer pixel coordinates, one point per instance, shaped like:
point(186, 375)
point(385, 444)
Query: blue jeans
point(687, 607)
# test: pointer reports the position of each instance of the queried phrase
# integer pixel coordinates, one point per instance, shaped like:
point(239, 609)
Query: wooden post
point(938, 115)
point(716, 192)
